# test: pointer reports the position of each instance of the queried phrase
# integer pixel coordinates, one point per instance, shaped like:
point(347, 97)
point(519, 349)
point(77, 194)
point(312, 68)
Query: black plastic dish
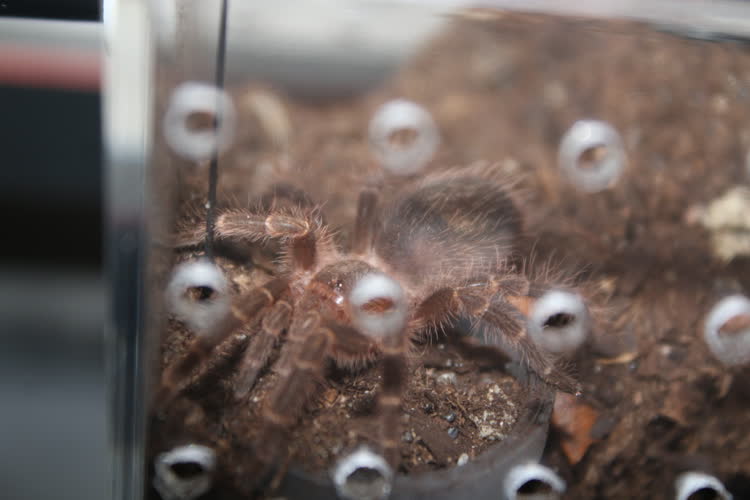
point(479, 479)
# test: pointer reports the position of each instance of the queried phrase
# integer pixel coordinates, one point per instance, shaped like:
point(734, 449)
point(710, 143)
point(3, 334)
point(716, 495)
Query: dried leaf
point(575, 419)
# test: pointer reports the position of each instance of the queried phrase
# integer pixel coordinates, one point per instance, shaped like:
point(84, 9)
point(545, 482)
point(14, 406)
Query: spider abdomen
point(448, 228)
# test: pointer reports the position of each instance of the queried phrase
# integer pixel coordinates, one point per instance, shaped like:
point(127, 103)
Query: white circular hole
point(727, 330)
point(404, 136)
point(189, 121)
point(700, 486)
point(198, 295)
point(378, 305)
point(185, 472)
point(592, 155)
point(533, 481)
point(362, 475)
point(559, 321)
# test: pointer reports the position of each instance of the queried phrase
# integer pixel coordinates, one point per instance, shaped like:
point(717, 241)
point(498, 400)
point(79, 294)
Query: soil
point(504, 88)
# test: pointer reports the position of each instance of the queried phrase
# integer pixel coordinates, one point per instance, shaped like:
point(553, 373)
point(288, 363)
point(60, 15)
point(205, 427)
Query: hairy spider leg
point(505, 325)
point(365, 222)
point(261, 347)
point(299, 231)
point(501, 313)
point(311, 343)
point(394, 372)
point(245, 225)
point(242, 312)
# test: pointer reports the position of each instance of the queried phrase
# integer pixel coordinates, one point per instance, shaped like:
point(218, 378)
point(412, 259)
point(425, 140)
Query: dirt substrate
point(504, 88)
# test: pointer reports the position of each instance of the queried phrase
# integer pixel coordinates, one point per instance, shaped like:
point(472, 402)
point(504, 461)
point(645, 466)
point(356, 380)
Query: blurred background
point(53, 432)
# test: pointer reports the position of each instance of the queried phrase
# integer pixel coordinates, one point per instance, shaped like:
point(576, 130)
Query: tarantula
point(439, 251)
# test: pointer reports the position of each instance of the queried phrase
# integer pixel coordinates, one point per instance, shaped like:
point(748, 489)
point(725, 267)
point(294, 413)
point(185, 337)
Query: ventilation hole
point(364, 475)
point(187, 470)
point(706, 493)
point(200, 121)
point(365, 482)
point(379, 305)
point(200, 293)
point(736, 325)
point(592, 157)
point(559, 320)
point(535, 487)
point(727, 330)
point(403, 138)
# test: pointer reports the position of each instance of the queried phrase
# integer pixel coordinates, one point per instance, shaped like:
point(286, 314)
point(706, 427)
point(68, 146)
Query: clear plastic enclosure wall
point(393, 245)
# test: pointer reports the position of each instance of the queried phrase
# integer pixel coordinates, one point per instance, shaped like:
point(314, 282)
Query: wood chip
point(623, 358)
point(575, 420)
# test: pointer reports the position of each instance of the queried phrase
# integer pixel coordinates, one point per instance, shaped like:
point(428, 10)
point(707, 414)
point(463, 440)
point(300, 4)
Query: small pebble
point(462, 460)
point(407, 437)
point(450, 417)
point(428, 408)
point(453, 432)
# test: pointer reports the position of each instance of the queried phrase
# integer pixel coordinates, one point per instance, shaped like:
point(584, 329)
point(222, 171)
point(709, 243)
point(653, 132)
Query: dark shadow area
point(79, 10)
point(50, 183)
point(52, 297)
